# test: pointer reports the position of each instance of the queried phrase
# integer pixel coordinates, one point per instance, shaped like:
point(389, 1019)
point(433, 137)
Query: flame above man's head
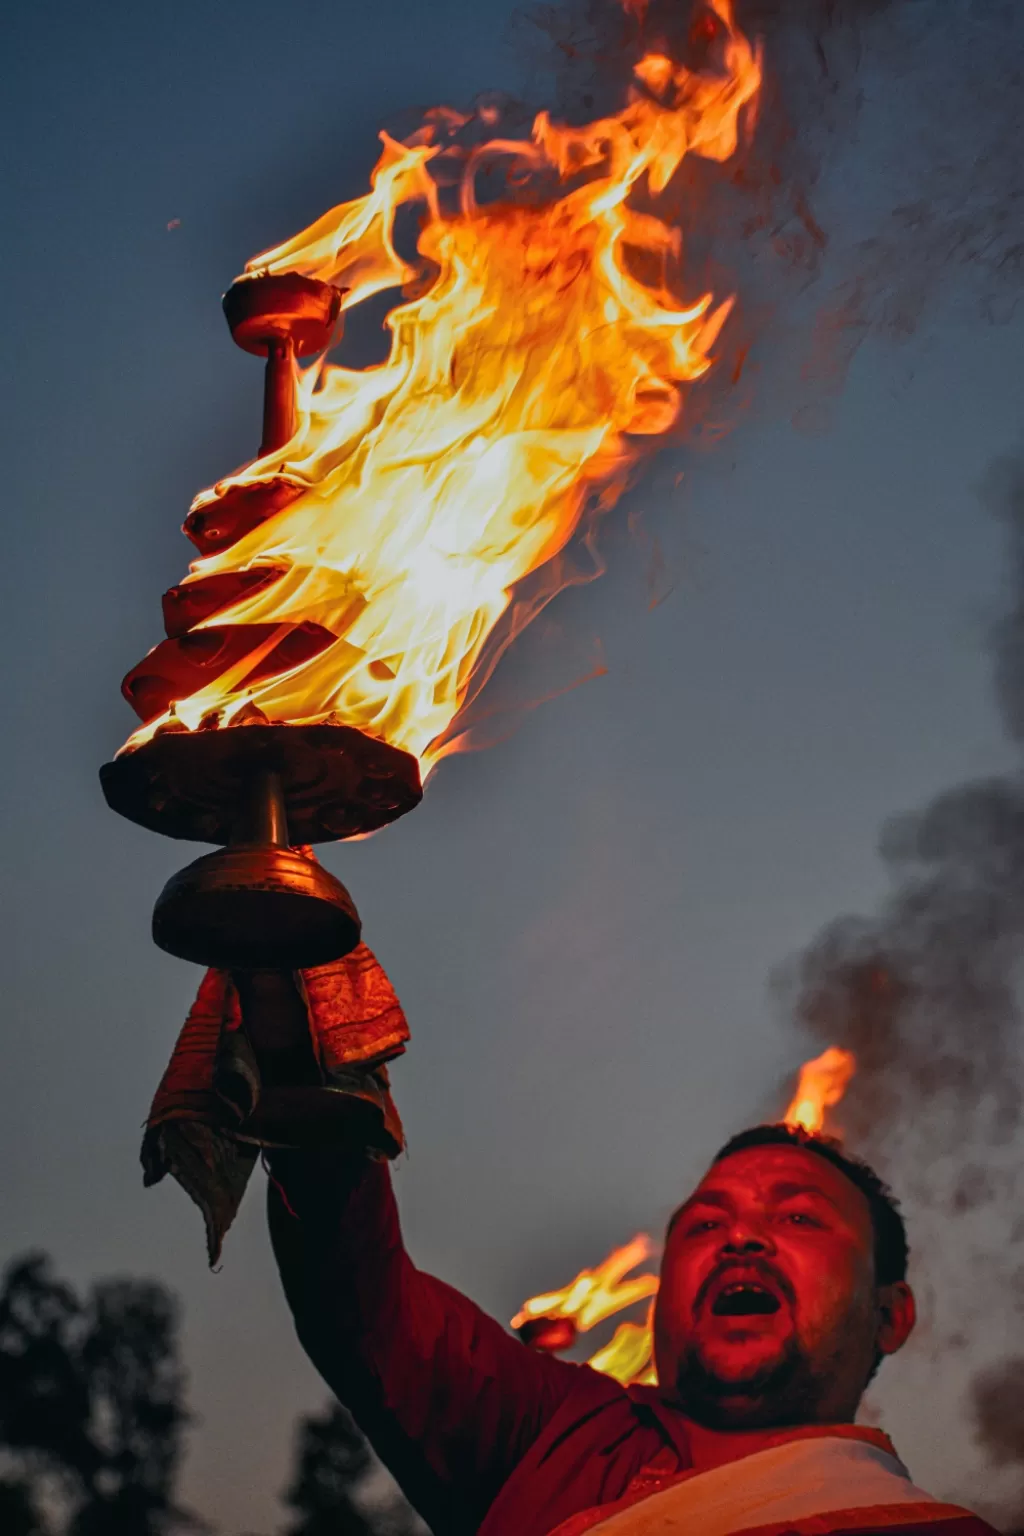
point(528, 364)
point(821, 1085)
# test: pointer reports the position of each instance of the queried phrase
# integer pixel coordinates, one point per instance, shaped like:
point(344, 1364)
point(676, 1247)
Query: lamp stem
point(278, 395)
point(262, 816)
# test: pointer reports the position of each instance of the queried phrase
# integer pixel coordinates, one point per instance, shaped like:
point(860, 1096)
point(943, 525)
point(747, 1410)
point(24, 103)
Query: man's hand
point(349, 1105)
point(276, 1025)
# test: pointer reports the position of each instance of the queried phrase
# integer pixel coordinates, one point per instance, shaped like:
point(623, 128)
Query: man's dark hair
point(891, 1251)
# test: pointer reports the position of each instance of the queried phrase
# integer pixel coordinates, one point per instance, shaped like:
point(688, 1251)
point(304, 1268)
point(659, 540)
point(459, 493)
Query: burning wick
point(821, 1085)
point(553, 1321)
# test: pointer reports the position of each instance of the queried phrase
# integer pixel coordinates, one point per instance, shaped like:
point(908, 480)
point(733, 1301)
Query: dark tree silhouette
point(331, 1490)
point(91, 1409)
point(92, 1417)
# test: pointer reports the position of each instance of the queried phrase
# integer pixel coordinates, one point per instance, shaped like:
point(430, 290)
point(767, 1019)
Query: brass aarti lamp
point(260, 790)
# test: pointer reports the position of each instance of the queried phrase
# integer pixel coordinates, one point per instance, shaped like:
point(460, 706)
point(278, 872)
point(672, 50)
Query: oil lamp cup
point(281, 316)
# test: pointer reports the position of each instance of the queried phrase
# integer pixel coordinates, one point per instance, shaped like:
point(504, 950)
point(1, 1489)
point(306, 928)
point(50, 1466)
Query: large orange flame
point(527, 364)
point(821, 1084)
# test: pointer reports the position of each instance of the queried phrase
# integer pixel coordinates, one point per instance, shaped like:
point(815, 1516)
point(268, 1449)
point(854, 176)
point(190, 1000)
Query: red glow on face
point(774, 1248)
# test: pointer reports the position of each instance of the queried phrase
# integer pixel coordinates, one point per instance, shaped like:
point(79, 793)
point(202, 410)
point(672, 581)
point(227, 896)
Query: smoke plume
point(927, 993)
point(998, 1394)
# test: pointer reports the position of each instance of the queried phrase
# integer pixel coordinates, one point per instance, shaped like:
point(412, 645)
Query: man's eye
point(706, 1224)
point(800, 1219)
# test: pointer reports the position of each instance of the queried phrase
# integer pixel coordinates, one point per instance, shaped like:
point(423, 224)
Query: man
point(783, 1287)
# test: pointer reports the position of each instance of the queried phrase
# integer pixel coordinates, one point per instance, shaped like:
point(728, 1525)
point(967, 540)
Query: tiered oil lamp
point(259, 789)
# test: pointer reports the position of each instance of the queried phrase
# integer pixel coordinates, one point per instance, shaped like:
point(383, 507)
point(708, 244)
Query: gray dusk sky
point(581, 920)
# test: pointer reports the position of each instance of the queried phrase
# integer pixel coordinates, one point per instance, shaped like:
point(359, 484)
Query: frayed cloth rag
point(212, 1084)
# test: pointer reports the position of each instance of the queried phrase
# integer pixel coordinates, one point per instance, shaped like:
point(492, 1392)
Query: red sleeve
point(448, 1399)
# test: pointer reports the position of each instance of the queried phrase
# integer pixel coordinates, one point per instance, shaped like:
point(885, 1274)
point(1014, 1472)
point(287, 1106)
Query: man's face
point(768, 1312)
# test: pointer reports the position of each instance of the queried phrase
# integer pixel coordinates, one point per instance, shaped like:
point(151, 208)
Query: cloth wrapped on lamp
point(196, 1129)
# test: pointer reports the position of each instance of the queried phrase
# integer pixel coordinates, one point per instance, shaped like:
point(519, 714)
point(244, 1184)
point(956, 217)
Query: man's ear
point(897, 1314)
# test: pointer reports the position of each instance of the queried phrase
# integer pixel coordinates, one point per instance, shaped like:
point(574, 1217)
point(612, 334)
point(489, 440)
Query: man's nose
point(746, 1238)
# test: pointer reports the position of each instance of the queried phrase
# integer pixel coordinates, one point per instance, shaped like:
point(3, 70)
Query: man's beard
point(784, 1393)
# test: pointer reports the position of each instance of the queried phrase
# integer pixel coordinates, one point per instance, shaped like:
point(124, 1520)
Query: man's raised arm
point(449, 1400)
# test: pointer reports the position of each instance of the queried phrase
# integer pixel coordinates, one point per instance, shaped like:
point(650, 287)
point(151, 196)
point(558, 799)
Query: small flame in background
point(822, 1084)
point(597, 1294)
point(594, 1295)
point(527, 365)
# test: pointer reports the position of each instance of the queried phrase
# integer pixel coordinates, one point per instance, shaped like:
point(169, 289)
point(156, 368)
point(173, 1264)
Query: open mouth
point(745, 1299)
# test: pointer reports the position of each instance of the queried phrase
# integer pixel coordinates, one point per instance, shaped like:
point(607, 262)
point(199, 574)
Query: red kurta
point(482, 1433)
